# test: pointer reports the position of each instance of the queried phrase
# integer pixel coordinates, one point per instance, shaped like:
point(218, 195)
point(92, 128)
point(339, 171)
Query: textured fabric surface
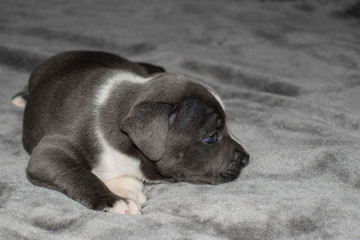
point(288, 72)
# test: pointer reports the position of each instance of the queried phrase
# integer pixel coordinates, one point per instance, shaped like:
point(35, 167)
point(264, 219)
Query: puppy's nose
point(243, 157)
point(239, 161)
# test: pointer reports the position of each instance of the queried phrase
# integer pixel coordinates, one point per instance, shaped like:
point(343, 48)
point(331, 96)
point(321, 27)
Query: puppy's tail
point(20, 98)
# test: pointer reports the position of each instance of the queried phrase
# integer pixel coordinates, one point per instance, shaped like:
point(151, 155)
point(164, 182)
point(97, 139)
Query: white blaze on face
point(217, 97)
point(215, 94)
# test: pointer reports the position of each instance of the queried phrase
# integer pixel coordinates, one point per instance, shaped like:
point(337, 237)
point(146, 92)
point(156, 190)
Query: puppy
point(97, 126)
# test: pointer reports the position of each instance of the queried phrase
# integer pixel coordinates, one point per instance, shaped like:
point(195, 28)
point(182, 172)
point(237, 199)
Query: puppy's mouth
point(170, 180)
point(227, 172)
point(232, 171)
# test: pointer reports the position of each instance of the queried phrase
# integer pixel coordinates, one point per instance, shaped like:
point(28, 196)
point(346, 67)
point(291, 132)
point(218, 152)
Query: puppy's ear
point(147, 125)
point(148, 122)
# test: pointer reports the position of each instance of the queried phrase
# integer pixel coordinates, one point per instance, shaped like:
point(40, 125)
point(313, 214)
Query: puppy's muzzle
point(239, 161)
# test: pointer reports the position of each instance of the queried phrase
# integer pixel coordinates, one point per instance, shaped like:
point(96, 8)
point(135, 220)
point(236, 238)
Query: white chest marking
point(113, 163)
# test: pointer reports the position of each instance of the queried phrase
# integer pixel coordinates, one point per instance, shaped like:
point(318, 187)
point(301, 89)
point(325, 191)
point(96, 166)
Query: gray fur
point(61, 121)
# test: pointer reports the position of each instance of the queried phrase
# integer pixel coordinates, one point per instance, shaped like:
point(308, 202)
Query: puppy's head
point(179, 123)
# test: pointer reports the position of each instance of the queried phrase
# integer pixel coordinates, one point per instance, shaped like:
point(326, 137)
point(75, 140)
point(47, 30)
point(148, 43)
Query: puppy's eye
point(211, 139)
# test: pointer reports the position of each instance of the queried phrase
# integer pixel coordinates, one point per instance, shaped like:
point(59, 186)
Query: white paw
point(127, 187)
point(139, 197)
point(126, 206)
point(19, 102)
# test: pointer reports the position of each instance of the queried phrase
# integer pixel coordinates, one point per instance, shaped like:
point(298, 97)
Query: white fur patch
point(217, 97)
point(119, 77)
point(215, 94)
point(113, 163)
point(122, 207)
point(19, 102)
point(127, 187)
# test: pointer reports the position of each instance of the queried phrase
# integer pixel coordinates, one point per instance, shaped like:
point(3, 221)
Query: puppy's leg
point(55, 165)
point(127, 187)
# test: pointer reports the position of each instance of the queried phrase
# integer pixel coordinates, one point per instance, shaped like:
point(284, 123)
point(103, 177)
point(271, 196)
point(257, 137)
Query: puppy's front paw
point(137, 196)
point(124, 206)
point(127, 187)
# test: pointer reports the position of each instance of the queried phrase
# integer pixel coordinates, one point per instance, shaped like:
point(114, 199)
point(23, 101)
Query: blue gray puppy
point(97, 126)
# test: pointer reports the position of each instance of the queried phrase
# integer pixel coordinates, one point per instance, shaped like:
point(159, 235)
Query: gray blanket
point(288, 72)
